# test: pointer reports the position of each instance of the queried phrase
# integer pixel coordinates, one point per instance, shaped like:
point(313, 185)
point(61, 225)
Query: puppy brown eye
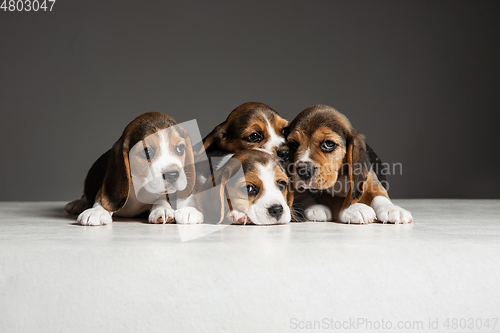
point(282, 185)
point(327, 146)
point(285, 131)
point(251, 190)
point(148, 153)
point(255, 137)
point(179, 150)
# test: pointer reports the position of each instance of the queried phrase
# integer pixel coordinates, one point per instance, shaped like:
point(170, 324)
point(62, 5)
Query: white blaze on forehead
point(267, 175)
point(274, 139)
point(167, 158)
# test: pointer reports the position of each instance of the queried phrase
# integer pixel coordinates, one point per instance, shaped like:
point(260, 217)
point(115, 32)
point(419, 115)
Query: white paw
point(357, 213)
point(318, 213)
point(161, 215)
point(77, 206)
point(95, 216)
point(188, 215)
point(238, 217)
point(393, 214)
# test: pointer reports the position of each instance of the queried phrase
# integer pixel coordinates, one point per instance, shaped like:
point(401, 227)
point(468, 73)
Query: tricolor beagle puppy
point(253, 190)
point(150, 161)
point(249, 126)
point(336, 171)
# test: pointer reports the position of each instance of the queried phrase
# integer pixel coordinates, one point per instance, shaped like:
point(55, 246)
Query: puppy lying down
point(336, 176)
point(249, 187)
point(151, 161)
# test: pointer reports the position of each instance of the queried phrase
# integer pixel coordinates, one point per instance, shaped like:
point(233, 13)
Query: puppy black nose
point(283, 154)
point(305, 172)
point(171, 176)
point(275, 211)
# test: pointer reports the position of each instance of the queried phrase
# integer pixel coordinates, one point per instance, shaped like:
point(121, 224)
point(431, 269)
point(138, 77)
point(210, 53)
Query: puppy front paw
point(393, 214)
point(95, 216)
point(357, 213)
point(161, 215)
point(238, 217)
point(77, 206)
point(318, 213)
point(188, 215)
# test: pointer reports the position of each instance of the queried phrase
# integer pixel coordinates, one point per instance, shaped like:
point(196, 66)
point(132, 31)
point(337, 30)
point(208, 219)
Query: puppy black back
point(380, 169)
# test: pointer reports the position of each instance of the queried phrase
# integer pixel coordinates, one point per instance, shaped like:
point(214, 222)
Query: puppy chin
point(312, 184)
point(300, 184)
point(259, 216)
point(161, 187)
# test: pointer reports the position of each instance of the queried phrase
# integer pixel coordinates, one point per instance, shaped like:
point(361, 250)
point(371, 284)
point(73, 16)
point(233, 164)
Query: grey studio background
point(420, 79)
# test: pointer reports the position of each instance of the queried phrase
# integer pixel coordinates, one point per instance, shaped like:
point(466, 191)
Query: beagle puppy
point(249, 126)
point(335, 174)
point(152, 160)
point(251, 187)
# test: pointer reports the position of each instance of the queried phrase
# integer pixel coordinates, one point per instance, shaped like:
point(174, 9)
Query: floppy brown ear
point(116, 185)
point(189, 169)
point(356, 159)
point(214, 138)
point(221, 177)
point(289, 202)
point(289, 196)
point(233, 166)
point(223, 198)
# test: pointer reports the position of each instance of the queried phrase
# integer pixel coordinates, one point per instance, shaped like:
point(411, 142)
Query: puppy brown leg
point(375, 195)
point(360, 212)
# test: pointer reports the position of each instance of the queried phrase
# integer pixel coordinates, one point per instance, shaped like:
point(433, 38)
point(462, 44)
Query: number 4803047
point(27, 5)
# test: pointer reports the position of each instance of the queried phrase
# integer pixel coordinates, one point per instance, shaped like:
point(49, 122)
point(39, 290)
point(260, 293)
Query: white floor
point(56, 276)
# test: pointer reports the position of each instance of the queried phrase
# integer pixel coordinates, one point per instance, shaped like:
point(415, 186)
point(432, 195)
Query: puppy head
point(250, 126)
point(154, 154)
point(323, 143)
point(261, 191)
